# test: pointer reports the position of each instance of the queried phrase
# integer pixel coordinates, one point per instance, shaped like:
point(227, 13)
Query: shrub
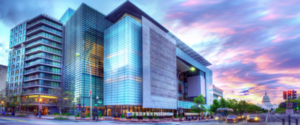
point(100, 115)
point(134, 115)
point(155, 116)
point(207, 115)
point(175, 116)
point(21, 115)
point(145, 117)
point(77, 115)
point(88, 115)
point(122, 116)
point(7, 114)
point(60, 118)
point(181, 116)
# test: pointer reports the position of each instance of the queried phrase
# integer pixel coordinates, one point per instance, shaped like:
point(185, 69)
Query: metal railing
point(39, 84)
point(37, 69)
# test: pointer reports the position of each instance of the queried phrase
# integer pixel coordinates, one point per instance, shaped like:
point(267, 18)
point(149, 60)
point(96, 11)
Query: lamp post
point(97, 107)
point(199, 106)
point(190, 69)
point(2, 103)
point(40, 100)
point(77, 55)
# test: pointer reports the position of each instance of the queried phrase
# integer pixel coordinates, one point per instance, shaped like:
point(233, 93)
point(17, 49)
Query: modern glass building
point(35, 62)
point(129, 62)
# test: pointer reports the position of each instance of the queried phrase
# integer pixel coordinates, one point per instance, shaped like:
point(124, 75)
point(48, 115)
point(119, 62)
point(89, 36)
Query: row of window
point(45, 61)
point(17, 78)
point(47, 22)
point(45, 42)
point(44, 68)
point(18, 28)
point(43, 75)
point(44, 34)
point(45, 55)
point(46, 48)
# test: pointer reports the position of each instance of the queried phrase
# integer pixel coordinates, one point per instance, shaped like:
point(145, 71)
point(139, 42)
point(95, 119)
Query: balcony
point(41, 77)
point(30, 71)
point(37, 84)
point(44, 28)
point(41, 35)
point(28, 92)
point(41, 49)
point(43, 22)
point(28, 58)
point(27, 65)
point(44, 42)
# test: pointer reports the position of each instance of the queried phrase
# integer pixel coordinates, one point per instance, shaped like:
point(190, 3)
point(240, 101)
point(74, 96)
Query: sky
point(253, 45)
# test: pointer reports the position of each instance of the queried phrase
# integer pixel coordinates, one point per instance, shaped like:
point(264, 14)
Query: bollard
point(296, 121)
point(282, 121)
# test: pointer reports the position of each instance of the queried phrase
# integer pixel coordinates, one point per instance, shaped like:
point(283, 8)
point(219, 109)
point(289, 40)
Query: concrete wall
point(159, 67)
point(3, 75)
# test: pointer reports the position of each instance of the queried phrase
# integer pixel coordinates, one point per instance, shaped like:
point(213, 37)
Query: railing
point(44, 56)
point(43, 77)
point(45, 42)
point(45, 28)
point(44, 48)
point(39, 84)
point(35, 69)
point(44, 34)
point(41, 62)
point(46, 22)
point(40, 20)
point(37, 91)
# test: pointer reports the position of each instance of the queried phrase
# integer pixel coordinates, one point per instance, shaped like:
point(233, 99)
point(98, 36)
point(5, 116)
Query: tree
point(199, 100)
point(63, 98)
point(216, 104)
point(28, 103)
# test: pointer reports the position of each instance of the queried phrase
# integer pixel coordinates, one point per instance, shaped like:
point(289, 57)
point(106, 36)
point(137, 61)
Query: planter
point(77, 118)
point(175, 119)
point(145, 120)
point(123, 119)
point(134, 119)
point(155, 120)
point(87, 118)
point(101, 119)
point(182, 119)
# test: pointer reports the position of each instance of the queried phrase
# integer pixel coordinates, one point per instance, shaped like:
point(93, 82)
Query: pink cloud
point(262, 61)
point(199, 2)
point(289, 81)
point(176, 15)
point(270, 17)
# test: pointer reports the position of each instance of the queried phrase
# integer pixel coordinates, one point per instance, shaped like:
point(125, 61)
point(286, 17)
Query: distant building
point(217, 93)
point(266, 103)
point(3, 71)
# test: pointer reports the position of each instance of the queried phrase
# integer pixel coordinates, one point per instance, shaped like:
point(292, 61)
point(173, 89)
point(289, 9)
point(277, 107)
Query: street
point(266, 119)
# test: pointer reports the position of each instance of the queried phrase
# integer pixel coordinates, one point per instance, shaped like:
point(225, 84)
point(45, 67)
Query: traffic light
point(284, 95)
point(289, 94)
point(294, 94)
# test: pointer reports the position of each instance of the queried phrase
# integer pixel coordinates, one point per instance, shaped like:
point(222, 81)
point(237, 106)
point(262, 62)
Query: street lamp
point(78, 55)
point(40, 100)
point(199, 106)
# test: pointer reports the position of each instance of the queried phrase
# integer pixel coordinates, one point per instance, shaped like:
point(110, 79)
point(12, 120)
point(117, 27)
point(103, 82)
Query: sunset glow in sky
point(253, 45)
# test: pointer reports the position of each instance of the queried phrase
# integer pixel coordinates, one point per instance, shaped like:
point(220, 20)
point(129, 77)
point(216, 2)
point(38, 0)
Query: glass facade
point(123, 63)
point(67, 15)
point(83, 49)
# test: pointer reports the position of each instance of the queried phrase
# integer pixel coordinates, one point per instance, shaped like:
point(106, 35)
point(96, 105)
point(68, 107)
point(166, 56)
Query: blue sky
point(252, 44)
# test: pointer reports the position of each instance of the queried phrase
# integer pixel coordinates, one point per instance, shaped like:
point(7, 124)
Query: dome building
point(266, 103)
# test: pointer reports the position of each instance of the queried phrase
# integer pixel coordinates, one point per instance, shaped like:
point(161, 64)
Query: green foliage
point(199, 100)
point(145, 117)
point(207, 115)
point(175, 116)
point(134, 115)
point(100, 115)
point(7, 114)
point(88, 115)
point(155, 116)
point(21, 115)
point(122, 116)
point(280, 110)
point(77, 115)
point(60, 118)
point(181, 116)
point(64, 114)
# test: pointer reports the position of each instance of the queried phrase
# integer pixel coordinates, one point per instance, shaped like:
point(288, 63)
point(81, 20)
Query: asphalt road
point(266, 119)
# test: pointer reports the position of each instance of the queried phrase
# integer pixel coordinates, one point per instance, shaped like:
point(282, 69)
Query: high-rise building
point(35, 62)
point(3, 79)
point(127, 60)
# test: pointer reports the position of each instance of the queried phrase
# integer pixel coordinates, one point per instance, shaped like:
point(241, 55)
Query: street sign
point(40, 106)
point(294, 94)
point(90, 93)
point(289, 105)
point(295, 104)
point(283, 105)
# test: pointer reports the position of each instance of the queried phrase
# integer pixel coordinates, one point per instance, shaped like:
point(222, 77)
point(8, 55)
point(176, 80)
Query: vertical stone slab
point(159, 67)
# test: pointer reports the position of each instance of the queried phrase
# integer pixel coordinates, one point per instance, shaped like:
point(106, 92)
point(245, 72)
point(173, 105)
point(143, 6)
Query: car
point(240, 117)
point(253, 118)
point(219, 118)
point(244, 116)
point(231, 119)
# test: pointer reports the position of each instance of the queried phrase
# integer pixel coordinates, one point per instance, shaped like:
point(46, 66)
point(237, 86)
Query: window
point(12, 73)
point(21, 71)
point(13, 66)
point(11, 79)
point(20, 27)
point(20, 33)
point(19, 40)
point(16, 35)
point(14, 54)
point(13, 60)
point(17, 65)
point(24, 38)
point(20, 79)
point(16, 78)
point(24, 32)
point(17, 71)
point(19, 52)
point(11, 32)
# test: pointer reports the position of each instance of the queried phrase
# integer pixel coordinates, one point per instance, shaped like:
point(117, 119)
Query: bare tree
point(28, 103)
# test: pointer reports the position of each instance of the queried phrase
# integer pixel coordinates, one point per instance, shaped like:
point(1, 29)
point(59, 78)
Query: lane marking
point(14, 119)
